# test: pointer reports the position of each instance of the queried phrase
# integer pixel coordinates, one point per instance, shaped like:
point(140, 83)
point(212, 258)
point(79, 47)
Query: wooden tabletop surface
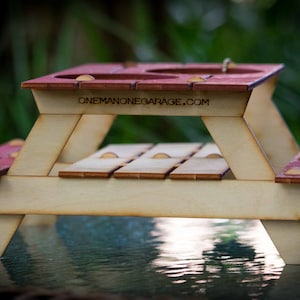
point(157, 76)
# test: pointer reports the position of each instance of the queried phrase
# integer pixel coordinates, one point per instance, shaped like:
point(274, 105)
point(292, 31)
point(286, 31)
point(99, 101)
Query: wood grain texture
point(285, 236)
point(237, 199)
point(123, 150)
point(44, 144)
point(37, 157)
point(269, 127)
point(173, 150)
point(141, 102)
point(105, 161)
point(91, 129)
point(234, 104)
point(209, 150)
point(147, 168)
point(240, 148)
point(93, 167)
point(145, 161)
point(201, 168)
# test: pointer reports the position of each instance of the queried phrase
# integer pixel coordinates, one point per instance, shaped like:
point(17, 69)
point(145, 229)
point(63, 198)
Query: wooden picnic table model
point(250, 171)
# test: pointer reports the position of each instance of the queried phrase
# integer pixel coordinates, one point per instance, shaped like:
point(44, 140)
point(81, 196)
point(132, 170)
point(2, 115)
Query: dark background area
point(42, 37)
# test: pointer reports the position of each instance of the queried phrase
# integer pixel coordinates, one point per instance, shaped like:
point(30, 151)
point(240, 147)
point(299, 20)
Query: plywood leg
point(239, 147)
point(8, 224)
point(269, 127)
point(44, 144)
point(37, 157)
point(88, 134)
point(286, 238)
point(39, 220)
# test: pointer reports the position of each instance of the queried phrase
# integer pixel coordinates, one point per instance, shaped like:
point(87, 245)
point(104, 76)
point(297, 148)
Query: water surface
point(204, 258)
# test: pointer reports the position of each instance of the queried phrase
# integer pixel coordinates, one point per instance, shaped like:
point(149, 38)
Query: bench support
point(286, 238)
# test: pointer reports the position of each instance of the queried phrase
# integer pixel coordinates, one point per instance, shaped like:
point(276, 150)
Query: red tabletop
point(157, 76)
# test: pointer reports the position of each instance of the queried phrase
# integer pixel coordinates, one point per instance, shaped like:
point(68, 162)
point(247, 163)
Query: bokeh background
point(42, 37)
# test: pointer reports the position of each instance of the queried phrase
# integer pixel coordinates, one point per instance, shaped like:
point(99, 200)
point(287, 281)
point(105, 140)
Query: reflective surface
point(209, 259)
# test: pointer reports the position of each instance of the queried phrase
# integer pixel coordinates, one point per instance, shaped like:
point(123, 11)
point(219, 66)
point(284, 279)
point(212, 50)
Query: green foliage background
point(41, 37)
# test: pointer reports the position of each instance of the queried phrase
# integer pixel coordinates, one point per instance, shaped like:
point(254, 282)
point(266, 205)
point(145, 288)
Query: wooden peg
point(160, 155)
point(85, 77)
point(196, 79)
point(109, 155)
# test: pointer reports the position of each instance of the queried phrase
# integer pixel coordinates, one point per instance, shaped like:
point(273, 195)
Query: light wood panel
point(270, 128)
point(240, 148)
point(91, 129)
point(247, 199)
point(44, 144)
point(93, 167)
point(172, 150)
point(151, 168)
point(139, 102)
point(8, 224)
point(285, 236)
point(37, 157)
point(105, 161)
point(201, 168)
point(140, 161)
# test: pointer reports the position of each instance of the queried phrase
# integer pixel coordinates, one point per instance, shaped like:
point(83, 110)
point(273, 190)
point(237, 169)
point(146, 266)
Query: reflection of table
point(77, 112)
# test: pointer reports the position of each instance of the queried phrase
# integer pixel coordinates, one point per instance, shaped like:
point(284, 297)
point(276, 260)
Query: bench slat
point(122, 150)
point(201, 168)
point(174, 160)
point(148, 168)
point(93, 167)
point(172, 150)
point(105, 161)
point(291, 172)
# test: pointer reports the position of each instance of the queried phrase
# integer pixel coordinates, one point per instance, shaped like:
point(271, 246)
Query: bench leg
point(41, 149)
point(239, 147)
point(91, 129)
point(9, 225)
point(286, 238)
point(39, 220)
point(268, 125)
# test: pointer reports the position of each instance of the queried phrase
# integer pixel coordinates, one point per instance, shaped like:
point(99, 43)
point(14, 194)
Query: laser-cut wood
point(234, 101)
point(291, 172)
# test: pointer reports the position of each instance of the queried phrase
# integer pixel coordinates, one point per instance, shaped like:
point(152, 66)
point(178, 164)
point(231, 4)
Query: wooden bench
point(291, 172)
point(8, 153)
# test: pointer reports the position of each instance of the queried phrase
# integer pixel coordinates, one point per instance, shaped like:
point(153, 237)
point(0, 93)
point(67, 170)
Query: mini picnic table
point(56, 170)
